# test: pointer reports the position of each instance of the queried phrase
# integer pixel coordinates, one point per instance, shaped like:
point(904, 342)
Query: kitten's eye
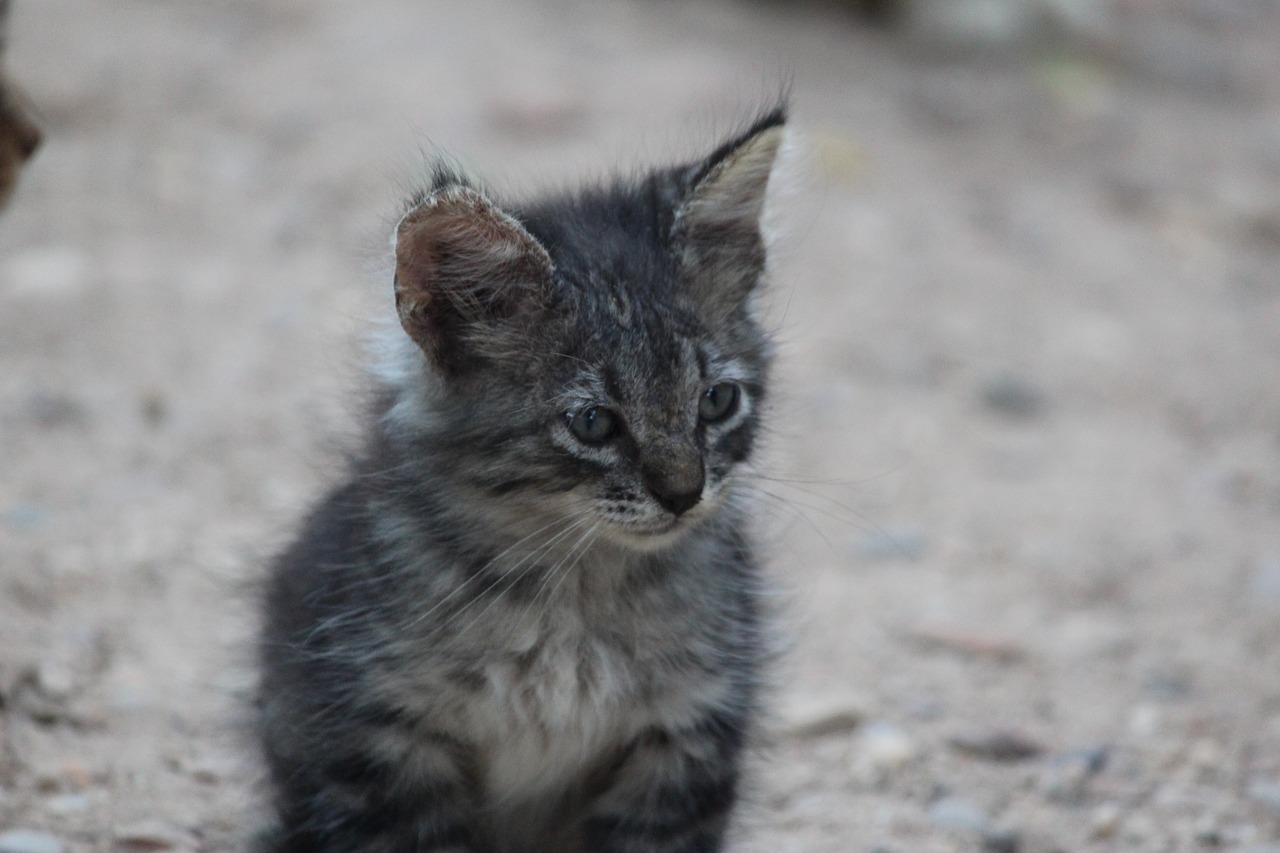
point(594, 425)
point(720, 401)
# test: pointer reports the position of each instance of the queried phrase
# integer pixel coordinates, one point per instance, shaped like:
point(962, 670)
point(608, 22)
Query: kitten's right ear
point(467, 275)
point(718, 223)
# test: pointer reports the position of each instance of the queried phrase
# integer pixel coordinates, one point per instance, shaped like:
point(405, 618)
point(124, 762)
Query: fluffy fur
point(505, 632)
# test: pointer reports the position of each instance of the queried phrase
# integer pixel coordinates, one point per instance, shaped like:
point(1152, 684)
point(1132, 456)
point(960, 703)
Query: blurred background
point(1024, 494)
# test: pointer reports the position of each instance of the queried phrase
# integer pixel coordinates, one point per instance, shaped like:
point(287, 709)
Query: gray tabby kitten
point(529, 620)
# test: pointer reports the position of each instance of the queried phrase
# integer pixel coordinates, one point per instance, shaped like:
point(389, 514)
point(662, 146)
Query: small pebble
point(969, 643)
point(1208, 758)
point(54, 681)
point(885, 747)
point(997, 745)
point(1207, 832)
point(1040, 842)
point(1146, 721)
point(76, 774)
point(154, 407)
point(1167, 683)
point(210, 769)
point(152, 837)
point(66, 804)
point(924, 707)
point(128, 699)
point(1001, 841)
point(1104, 822)
point(1091, 635)
point(28, 841)
point(1068, 776)
point(1012, 396)
point(51, 409)
point(810, 716)
point(957, 815)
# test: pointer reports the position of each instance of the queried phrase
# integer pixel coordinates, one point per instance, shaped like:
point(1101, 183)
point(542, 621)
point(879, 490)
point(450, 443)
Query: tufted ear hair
point(718, 223)
point(468, 277)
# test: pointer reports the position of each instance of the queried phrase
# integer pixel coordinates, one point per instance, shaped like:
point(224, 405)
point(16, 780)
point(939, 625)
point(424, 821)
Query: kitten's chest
point(561, 692)
point(555, 699)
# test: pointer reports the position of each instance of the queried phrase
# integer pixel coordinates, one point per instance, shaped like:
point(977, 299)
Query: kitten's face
point(620, 412)
point(595, 362)
point(652, 420)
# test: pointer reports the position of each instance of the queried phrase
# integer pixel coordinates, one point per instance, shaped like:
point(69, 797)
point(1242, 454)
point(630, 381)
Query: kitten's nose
point(677, 494)
point(677, 502)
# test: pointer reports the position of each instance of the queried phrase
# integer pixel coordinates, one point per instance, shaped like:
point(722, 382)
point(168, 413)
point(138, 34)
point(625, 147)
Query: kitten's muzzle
point(677, 494)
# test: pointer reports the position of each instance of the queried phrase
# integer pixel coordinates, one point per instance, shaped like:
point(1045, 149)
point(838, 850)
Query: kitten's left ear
point(718, 224)
point(469, 277)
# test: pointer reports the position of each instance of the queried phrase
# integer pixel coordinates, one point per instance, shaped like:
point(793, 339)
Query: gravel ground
point(1025, 520)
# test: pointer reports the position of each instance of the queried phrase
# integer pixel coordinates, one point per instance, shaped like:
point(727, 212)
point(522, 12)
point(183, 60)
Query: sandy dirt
point(1024, 505)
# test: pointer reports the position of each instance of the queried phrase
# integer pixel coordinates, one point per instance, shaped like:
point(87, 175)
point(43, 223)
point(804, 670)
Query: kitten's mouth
point(657, 528)
point(660, 528)
point(651, 534)
point(651, 537)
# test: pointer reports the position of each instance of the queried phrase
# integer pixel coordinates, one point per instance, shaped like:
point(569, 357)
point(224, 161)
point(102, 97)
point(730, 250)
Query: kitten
point(529, 621)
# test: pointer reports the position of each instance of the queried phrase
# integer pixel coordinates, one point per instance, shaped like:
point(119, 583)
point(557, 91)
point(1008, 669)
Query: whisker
point(574, 525)
point(528, 561)
point(563, 561)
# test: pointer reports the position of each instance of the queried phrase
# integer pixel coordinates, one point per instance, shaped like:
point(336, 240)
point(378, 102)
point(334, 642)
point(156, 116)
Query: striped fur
point(497, 637)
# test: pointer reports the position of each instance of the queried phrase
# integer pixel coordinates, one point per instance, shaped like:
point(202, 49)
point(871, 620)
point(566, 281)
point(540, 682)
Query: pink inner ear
point(459, 242)
point(416, 267)
point(463, 266)
point(416, 261)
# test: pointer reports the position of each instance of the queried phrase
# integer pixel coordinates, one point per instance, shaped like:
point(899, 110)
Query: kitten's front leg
point(674, 791)
point(357, 803)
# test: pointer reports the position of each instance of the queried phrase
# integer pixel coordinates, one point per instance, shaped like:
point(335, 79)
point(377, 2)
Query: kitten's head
point(593, 358)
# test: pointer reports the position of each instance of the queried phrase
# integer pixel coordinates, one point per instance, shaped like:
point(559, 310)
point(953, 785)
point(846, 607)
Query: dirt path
point(1028, 451)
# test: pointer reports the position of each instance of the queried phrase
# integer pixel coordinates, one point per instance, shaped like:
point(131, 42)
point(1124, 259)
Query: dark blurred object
point(19, 135)
point(879, 12)
point(1190, 45)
